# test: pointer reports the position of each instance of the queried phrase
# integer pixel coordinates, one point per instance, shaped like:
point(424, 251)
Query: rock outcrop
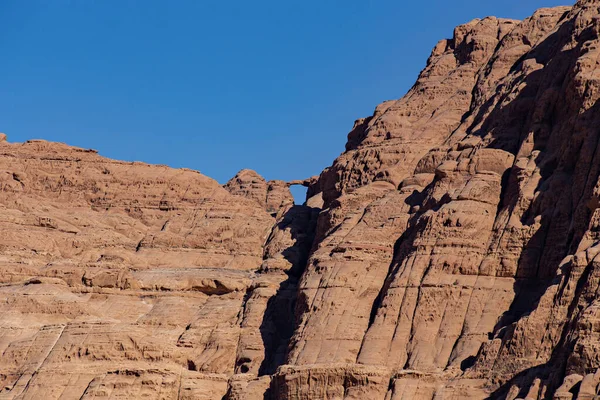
point(127, 280)
point(273, 196)
point(452, 251)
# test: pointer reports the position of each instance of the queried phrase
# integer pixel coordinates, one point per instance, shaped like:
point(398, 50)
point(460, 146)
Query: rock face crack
point(451, 251)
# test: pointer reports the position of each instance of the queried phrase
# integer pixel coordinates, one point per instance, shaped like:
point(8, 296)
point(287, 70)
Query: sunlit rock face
point(131, 280)
point(450, 252)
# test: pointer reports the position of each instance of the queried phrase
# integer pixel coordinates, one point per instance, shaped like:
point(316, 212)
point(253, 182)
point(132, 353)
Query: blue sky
point(212, 85)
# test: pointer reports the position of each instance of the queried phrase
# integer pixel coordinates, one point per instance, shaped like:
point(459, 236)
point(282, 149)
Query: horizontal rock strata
point(450, 252)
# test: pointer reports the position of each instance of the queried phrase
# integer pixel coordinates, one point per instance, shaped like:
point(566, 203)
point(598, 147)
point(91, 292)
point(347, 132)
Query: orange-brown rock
point(127, 280)
point(273, 196)
point(451, 252)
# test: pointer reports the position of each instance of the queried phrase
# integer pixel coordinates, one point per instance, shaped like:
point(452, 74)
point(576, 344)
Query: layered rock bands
point(451, 252)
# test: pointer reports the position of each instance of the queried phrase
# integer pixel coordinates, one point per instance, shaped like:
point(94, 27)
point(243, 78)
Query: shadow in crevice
point(278, 324)
point(404, 244)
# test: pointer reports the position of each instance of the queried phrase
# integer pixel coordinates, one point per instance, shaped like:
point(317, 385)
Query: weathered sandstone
point(129, 280)
point(451, 252)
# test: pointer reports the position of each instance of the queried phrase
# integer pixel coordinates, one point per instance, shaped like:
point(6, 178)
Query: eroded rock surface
point(127, 280)
point(450, 252)
point(273, 196)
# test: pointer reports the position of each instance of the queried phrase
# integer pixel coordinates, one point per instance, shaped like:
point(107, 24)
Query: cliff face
point(450, 252)
point(130, 280)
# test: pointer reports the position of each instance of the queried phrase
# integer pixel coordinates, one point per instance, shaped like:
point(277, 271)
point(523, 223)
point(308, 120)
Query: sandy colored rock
point(451, 252)
point(273, 196)
point(127, 280)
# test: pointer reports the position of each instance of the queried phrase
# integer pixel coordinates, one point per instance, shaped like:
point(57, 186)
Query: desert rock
point(451, 252)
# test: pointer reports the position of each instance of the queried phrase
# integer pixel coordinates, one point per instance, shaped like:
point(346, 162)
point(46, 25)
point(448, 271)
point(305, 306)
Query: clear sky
point(217, 85)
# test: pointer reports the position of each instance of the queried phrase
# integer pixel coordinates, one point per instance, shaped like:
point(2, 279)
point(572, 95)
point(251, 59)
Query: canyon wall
point(450, 252)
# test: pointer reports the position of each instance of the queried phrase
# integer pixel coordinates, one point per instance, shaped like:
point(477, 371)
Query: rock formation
point(130, 280)
point(451, 252)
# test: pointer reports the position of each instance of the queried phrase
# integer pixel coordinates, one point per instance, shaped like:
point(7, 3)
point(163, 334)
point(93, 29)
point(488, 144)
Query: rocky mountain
point(451, 252)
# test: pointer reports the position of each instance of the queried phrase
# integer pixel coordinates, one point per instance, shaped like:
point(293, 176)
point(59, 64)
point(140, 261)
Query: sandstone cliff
point(133, 281)
point(450, 252)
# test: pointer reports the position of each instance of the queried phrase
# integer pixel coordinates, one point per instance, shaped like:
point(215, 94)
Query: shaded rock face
point(450, 252)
